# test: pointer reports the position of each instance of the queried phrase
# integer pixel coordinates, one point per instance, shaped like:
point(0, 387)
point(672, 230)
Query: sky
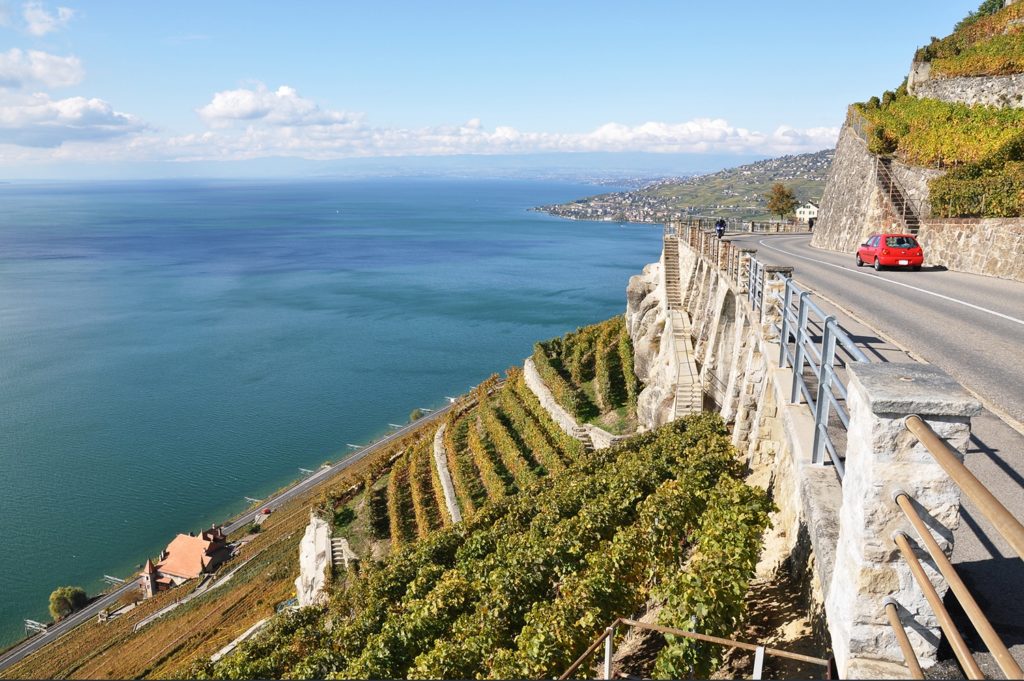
point(129, 89)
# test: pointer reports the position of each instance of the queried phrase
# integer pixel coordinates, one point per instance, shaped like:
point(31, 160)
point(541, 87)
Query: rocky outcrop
point(647, 321)
point(314, 559)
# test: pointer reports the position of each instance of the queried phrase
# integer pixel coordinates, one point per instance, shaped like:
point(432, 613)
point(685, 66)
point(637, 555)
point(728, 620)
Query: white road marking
point(897, 283)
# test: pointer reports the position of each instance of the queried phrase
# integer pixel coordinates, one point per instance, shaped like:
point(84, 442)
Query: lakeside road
point(970, 326)
point(31, 645)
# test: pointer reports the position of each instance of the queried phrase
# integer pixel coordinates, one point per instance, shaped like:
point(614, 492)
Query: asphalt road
point(973, 328)
point(66, 625)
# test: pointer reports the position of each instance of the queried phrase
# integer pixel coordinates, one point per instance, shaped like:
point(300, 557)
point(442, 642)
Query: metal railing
point(802, 321)
point(608, 638)
point(1001, 518)
point(808, 336)
point(737, 225)
point(897, 196)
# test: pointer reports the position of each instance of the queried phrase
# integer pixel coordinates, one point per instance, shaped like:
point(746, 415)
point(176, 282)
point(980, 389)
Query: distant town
point(736, 193)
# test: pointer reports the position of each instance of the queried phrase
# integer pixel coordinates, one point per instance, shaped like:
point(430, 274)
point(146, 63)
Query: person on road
point(720, 228)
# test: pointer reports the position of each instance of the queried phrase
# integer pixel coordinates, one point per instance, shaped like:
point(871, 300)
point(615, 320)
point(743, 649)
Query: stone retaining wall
point(851, 201)
point(1001, 91)
point(599, 437)
point(993, 247)
point(441, 462)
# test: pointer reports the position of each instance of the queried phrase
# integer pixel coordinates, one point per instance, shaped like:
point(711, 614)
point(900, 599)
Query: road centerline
point(896, 283)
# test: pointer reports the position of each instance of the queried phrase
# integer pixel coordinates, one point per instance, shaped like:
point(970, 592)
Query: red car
point(890, 250)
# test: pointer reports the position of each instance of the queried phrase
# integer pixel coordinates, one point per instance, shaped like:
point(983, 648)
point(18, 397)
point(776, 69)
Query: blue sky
point(94, 85)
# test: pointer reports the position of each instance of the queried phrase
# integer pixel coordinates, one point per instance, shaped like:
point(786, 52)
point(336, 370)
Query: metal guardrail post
point(758, 663)
point(609, 649)
point(787, 302)
point(798, 359)
point(821, 404)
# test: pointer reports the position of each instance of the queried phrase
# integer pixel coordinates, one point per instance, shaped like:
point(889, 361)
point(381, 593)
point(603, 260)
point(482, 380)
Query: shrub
point(65, 600)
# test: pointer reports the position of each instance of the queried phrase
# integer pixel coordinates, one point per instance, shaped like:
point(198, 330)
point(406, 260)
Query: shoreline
point(26, 646)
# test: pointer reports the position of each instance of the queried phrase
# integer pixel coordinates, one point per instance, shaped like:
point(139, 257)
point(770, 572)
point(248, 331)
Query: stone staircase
point(689, 398)
point(583, 436)
point(673, 292)
point(896, 195)
point(341, 553)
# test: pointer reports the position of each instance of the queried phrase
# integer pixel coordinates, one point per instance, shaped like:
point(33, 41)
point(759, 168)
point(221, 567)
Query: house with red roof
point(188, 556)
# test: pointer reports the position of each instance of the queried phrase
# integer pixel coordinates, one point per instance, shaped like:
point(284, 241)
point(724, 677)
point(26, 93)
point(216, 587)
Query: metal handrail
point(795, 326)
point(947, 457)
point(959, 589)
point(956, 641)
point(893, 188)
point(608, 636)
point(909, 656)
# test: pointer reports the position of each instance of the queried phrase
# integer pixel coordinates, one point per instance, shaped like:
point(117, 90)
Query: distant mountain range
point(733, 193)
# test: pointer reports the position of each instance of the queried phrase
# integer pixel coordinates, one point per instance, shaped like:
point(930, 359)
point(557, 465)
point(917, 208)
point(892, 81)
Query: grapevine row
point(465, 476)
point(569, 447)
point(424, 499)
point(515, 460)
point(490, 474)
point(532, 434)
point(400, 507)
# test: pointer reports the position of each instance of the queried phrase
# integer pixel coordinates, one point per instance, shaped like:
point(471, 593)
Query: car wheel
point(878, 265)
point(860, 263)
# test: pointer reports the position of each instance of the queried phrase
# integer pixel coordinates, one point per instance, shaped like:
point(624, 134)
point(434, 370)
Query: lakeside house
point(807, 212)
point(187, 557)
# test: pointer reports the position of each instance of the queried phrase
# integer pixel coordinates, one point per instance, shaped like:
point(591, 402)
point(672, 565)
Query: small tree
point(416, 414)
point(65, 600)
point(781, 200)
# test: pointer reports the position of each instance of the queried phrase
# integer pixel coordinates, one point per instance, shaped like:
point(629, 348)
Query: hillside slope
point(734, 192)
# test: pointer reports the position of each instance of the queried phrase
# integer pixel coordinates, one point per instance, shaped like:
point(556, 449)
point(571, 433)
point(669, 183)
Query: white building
point(807, 211)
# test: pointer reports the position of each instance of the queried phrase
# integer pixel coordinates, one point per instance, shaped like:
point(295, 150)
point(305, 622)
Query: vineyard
point(987, 43)
point(590, 373)
point(524, 583)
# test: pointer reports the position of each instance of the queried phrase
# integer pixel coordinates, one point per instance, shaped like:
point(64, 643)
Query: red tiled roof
point(187, 556)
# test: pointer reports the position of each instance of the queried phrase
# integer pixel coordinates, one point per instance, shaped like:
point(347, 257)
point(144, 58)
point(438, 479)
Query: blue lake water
point(168, 348)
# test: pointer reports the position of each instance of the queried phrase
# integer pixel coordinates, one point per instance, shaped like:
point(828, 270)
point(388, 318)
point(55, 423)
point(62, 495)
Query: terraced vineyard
point(590, 373)
point(524, 584)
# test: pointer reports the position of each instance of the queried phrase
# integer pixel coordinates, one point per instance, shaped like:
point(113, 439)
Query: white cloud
point(28, 68)
point(39, 121)
point(284, 106)
point(254, 122)
point(40, 21)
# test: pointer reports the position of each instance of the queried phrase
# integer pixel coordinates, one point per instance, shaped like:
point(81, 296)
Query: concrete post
point(882, 457)
point(772, 290)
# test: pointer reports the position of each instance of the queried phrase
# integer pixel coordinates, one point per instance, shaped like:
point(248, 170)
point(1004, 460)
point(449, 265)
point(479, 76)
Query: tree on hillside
point(65, 600)
point(781, 200)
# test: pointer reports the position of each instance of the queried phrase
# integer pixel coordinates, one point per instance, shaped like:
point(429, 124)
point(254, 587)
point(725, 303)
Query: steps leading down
point(673, 293)
point(689, 393)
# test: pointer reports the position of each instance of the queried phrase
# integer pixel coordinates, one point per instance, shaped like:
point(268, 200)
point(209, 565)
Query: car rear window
point(900, 242)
